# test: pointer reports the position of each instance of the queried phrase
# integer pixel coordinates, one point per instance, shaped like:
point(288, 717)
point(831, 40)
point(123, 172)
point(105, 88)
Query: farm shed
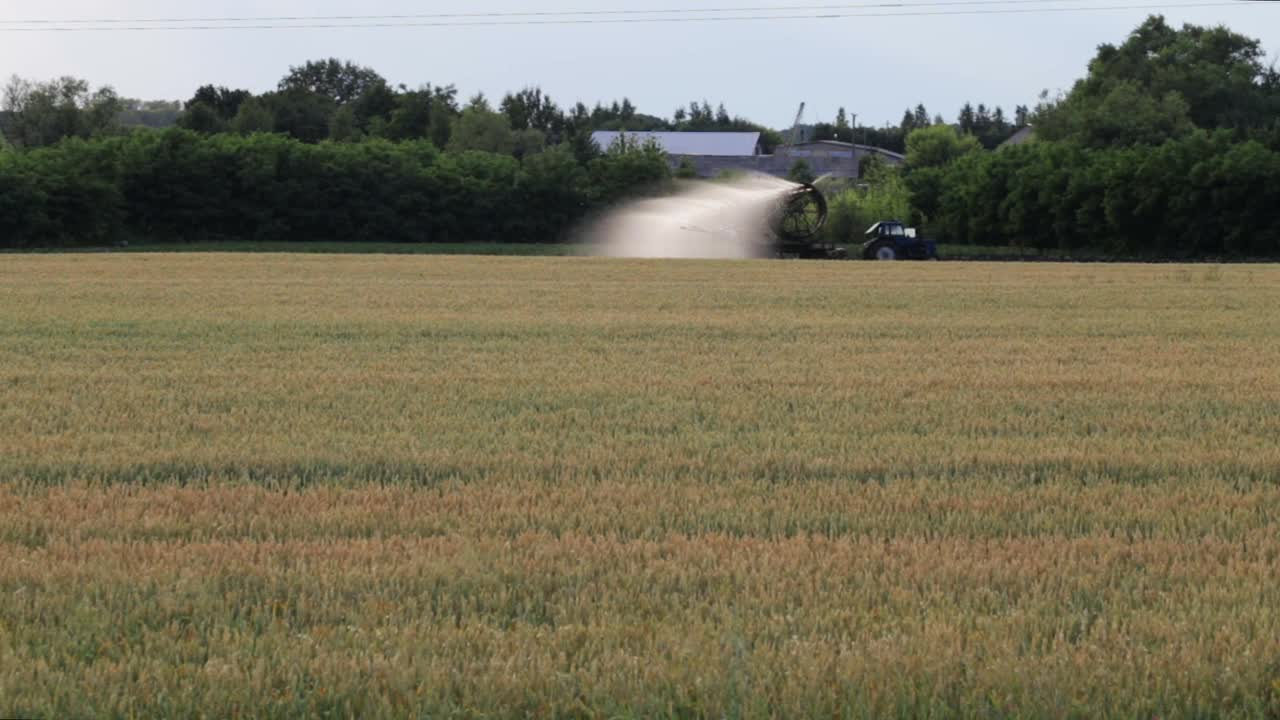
point(831, 157)
point(713, 153)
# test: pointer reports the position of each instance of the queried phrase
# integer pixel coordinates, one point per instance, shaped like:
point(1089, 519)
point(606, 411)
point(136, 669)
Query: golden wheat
point(425, 486)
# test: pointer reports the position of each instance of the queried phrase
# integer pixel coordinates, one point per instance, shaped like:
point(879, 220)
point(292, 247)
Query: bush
point(801, 172)
point(556, 184)
point(884, 196)
point(628, 169)
point(59, 196)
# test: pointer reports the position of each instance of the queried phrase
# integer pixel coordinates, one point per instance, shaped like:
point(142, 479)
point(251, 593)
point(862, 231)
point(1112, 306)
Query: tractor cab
point(892, 240)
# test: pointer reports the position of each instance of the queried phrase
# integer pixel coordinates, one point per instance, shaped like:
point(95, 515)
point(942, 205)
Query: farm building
point(831, 157)
point(713, 153)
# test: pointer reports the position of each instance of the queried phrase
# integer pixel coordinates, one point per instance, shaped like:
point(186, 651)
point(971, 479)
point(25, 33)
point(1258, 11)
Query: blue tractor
point(891, 240)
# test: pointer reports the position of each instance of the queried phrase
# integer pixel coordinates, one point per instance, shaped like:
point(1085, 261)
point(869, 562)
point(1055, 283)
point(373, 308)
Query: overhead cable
point(535, 14)
point(1163, 7)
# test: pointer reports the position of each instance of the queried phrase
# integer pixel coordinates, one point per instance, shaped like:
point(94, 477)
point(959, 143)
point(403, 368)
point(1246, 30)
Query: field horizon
point(957, 253)
point(387, 486)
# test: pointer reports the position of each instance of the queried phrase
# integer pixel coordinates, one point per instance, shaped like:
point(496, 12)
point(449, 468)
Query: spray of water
point(722, 219)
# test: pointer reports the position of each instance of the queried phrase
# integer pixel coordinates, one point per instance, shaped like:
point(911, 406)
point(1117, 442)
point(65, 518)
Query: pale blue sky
point(873, 66)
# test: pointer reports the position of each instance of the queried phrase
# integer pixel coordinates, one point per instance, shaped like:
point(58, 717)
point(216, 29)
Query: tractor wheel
point(884, 252)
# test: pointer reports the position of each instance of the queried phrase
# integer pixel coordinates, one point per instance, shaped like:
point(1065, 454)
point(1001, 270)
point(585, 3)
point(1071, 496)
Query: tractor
point(796, 220)
point(891, 240)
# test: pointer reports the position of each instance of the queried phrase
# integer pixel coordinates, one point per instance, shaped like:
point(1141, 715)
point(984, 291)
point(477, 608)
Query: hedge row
point(180, 186)
point(1205, 194)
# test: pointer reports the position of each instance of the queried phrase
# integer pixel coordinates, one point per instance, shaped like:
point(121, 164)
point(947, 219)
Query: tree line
point(991, 126)
point(1169, 146)
point(334, 152)
point(344, 102)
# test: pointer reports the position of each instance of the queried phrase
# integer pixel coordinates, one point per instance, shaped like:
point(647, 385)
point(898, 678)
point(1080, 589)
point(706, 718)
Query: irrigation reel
point(799, 218)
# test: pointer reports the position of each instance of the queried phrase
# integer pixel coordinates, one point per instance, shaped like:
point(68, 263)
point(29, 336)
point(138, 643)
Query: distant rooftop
point(713, 144)
point(851, 146)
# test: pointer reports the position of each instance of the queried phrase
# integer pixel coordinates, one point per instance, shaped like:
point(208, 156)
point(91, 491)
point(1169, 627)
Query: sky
point(763, 70)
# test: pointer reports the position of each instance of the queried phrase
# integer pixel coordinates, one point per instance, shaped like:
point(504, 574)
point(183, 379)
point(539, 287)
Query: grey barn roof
point(857, 146)
point(717, 144)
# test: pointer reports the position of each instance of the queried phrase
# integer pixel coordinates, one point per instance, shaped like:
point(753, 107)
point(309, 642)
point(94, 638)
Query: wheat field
point(374, 486)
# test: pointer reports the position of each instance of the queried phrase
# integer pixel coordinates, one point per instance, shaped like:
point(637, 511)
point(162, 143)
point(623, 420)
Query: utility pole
point(853, 130)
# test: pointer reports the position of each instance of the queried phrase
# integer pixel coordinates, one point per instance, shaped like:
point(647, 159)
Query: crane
point(795, 128)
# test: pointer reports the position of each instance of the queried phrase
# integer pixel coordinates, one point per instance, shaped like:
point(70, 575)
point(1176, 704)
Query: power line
point(536, 14)
point(271, 25)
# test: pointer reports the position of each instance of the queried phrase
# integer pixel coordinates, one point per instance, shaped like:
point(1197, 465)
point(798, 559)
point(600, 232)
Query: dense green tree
point(43, 113)
point(1168, 81)
point(480, 128)
point(223, 101)
point(428, 112)
point(625, 116)
point(967, 212)
point(530, 109)
point(555, 184)
point(202, 118)
point(65, 194)
point(968, 119)
point(492, 208)
point(344, 126)
point(527, 142)
point(1126, 115)
point(301, 114)
point(411, 118)
point(929, 152)
point(628, 168)
point(341, 82)
point(1048, 198)
point(908, 122)
point(444, 114)
point(212, 109)
point(377, 101)
point(479, 102)
point(921, 116)
point(255, 115)
point(937, 146)
point(1164, 148)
